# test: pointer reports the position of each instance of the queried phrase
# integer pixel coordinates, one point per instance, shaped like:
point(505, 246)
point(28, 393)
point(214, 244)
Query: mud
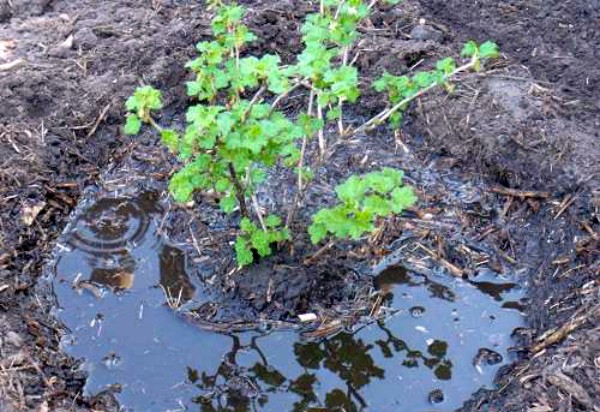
point(59, 127)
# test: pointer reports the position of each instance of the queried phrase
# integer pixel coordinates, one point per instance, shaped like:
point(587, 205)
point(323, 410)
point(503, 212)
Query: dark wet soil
point(530, 124)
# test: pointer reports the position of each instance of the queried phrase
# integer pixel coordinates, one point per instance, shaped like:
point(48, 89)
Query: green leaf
point(489, 50)
point(272, 221)
point(170, 138)
point(470, 49)
point(352, 190)
point(317, 232)
point(424, 79)
point(181, 187)
point(446, 66)
point(261, 242)
point(378, 205)
point(242, 253)
point(132, 103)
point(402, 198)
point(333, 114)
point(227, 203)
point(222, 184)
point(247, 226)
point(133, 125)
point(380, 84)
point(145, 98)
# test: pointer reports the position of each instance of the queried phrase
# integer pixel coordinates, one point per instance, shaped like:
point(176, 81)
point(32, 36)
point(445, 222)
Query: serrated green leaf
point(424, 79)
point(247, 226)
point(133, 125)
point(378, 205)
point(272, 221)
point(261, 242)
point(170, 138)
point(227, 203)
point(243, 254)
point(132, 103)
point(380, 84)
point(470, 49)
point(352, 190)
point(402, 198)
point(489, 50)
point(333, 114)
point(222, 185)
point(317, 232)
point(446, 66)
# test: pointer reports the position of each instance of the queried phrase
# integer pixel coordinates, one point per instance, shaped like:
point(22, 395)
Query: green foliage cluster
point(260, 240)
point(361, 201)
point(402, 89)
point(234, 132)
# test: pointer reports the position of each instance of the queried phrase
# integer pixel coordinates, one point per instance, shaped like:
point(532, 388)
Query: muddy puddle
point(443, 338)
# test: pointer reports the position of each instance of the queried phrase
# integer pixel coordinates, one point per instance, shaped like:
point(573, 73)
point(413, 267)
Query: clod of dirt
point(425, 32)
point(5, 11)
point(13, 339)
point(85, 38)
point(436, 396)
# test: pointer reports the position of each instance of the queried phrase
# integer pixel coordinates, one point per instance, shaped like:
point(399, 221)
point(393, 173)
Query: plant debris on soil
point(526, 132)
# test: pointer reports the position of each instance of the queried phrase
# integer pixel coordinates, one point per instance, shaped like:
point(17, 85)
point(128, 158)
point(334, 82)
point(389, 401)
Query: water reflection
point(446, 339)
point(110, 240)
point(396, 275)
point(424, 358)
point(236, 388)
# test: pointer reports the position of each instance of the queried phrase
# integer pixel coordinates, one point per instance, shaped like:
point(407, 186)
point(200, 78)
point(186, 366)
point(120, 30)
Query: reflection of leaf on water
point(336, 400)
point(192, 375)
point(303, 385)
point(343, 355)
point(309, 355)
point(438, 348)
point(268, 375)
point(348, 358)
point(235, 388)
point(444, 371)
point(442, 367)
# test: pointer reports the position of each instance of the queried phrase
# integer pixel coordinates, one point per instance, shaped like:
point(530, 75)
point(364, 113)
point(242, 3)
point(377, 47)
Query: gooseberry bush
point(235, 133)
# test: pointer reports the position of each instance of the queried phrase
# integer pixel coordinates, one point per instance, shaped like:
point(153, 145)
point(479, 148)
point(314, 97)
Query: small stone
point(14, 339)
point(5, 11)
point(487, 357)
point(424, 32)
point(436, 396)
point(417, 311)
point(85, 38)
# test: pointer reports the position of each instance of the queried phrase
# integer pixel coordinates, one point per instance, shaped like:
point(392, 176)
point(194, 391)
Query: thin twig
point(299, 193)
point(321, 133)
point(318, 253)
point(98, 121)
point(255, 98)
point(385, 114)
point(239, 191)
point(12, 65)
point(282, 96)
point(259, 214)
point(518, 193)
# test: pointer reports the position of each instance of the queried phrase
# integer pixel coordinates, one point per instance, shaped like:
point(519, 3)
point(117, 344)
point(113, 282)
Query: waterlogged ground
point(444, 337)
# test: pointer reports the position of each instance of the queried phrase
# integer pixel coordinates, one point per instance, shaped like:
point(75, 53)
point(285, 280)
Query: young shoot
point(234, 132)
